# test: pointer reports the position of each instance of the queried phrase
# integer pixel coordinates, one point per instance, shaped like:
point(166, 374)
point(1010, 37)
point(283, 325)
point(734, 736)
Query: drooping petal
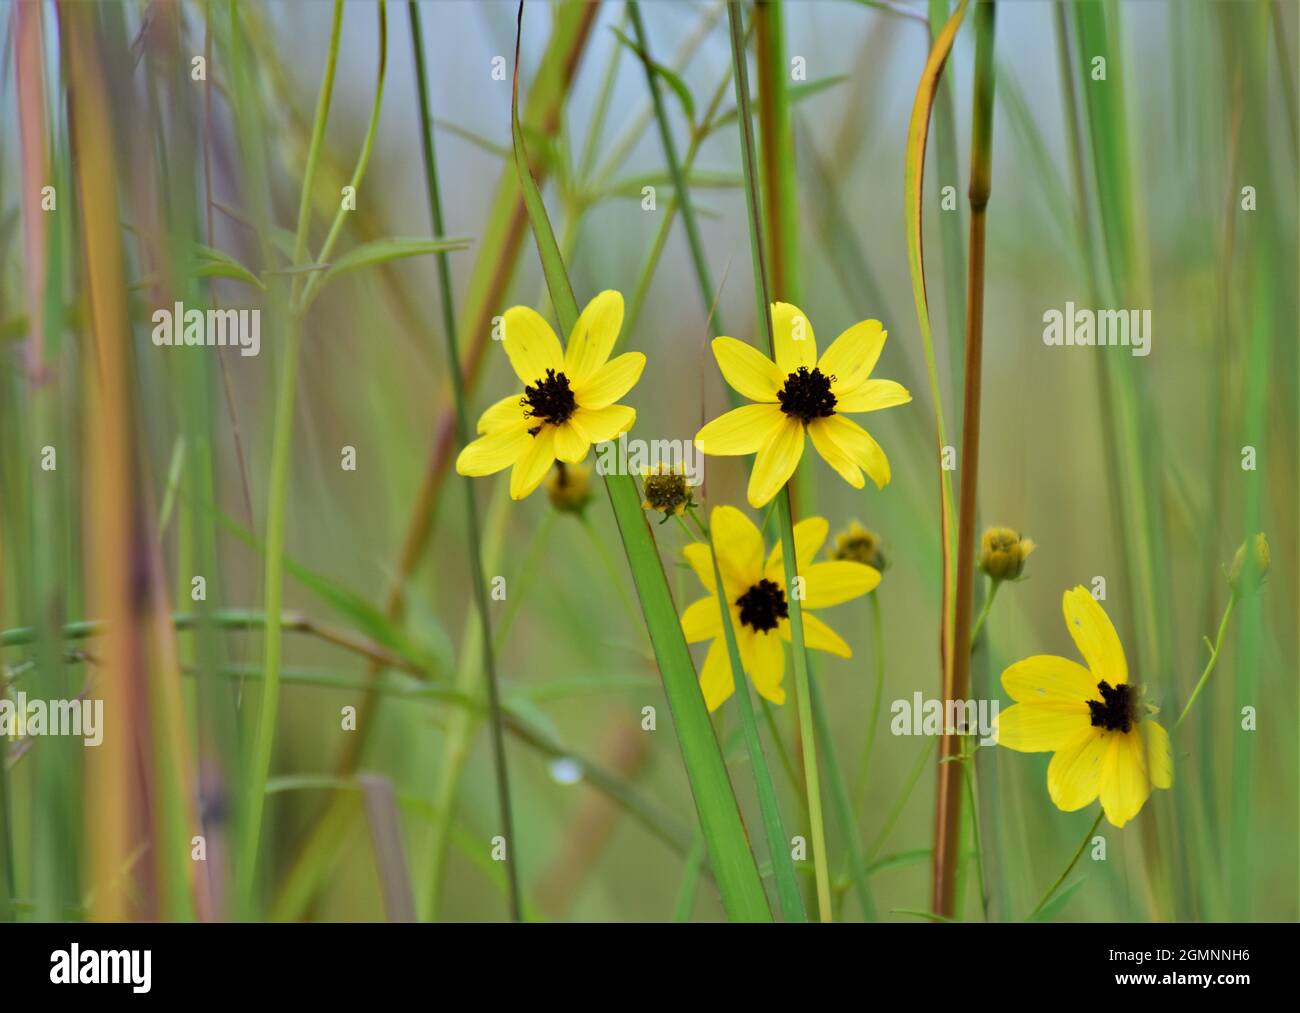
point(852, 356)
point(1094, 636)
point(571, 443)
point(530, 343)
point(768, 666)
point(834, 456)
point(1074, 775)
point(871, 396)
point(1160, 757)
point(594, 336)
point(837, 581)
point(748, 370)
point(532, 467)
point(716, 682)
point(489, 454)
point(858, 446)
point(601, 424)
point(1045, 678)
point(776, 462)
point(702, 620)
point(792, 334)
point(1040, 728)
point(1125, 785)
point(820, 637)
point(742, 430)
point(610, 382)
point(809, 536)
point(509, 411)
point(739, 546)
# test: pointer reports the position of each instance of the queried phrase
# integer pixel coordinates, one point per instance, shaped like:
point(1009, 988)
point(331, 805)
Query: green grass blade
point(733, 863)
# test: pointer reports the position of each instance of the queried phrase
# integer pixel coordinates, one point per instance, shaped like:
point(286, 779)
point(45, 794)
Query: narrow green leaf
point(672, 79)
point(732, 862)
point(796, 93)
point(213, 263)
point(380, 251)
point(1054, 906)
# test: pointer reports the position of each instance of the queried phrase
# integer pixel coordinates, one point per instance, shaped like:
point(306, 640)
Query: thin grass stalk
point(464, 434)
point(732, 861)
point(776, 145)
point(282, 440)
point(499, 246)
point(812, 780)
point(950, 222)
point(681, 191)
point(778, 844)
point(948, 799)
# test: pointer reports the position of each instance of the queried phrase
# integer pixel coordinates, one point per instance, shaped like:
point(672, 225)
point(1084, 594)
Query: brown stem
point(957, 681)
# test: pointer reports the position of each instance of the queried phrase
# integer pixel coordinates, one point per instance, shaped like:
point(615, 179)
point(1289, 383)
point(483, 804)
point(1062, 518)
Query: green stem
point(1210, 664)
point(1083, 846)
point(778, 845)
point(690, 880)
point(994, 585)
point(812, 780)
point(463, 433)
point(683, 196)
point(878, 638)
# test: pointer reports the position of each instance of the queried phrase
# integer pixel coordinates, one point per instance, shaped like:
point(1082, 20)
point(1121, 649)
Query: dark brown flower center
point(806, 395)
point(762, 606)
point(1116, 711)
point(549, 399)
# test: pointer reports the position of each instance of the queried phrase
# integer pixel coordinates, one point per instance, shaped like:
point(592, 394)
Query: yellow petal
point(748, 370)
point(701, 560)
point(532, 467)
point(509, 411)
point(593, 337)
point(768, 666)
point(834, 456)
point(871, 396)
point(716, 682)
point(1074, 775)
point(1045, 678)
point(571, 443)
point(742, 430)
point(792, 333)
point(853, 355)
point(1094, 636)
point(1124, 782)
point(610, 382)
point(1160, 757)
point(809, 536)
point(531, 345)
point(601, 424)
point(489, 454)
point(702, 620)
point(1040, 728)
point(739, 545)
point(840, 580)
point(857, 445)
point(820, 637)
point(776, 462)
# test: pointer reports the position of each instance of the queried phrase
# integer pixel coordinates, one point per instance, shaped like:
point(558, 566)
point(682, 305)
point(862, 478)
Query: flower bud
point(858, 545)
point(569, 487)
point(665, 491)
point(1003, 553)
point(1247, 574)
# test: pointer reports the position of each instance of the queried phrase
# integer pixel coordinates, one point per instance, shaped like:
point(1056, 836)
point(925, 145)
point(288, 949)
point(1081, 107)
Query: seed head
point(1247, 574)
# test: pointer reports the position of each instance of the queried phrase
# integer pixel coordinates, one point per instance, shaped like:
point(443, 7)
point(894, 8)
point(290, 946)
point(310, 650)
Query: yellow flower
point(798, 394)
point(1090, 718)
point(568, 399)
point(757, 602)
